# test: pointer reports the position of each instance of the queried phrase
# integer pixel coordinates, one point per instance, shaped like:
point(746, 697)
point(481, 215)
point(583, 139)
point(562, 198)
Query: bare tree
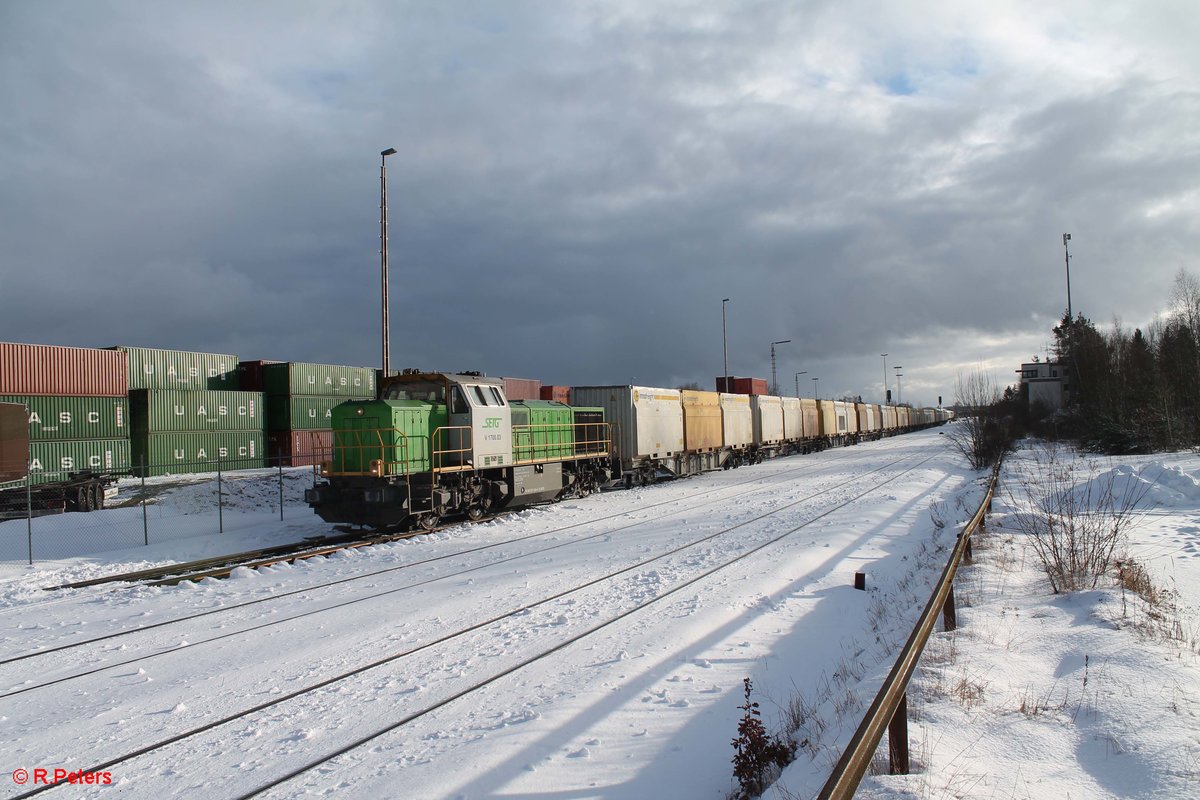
point(980, 431)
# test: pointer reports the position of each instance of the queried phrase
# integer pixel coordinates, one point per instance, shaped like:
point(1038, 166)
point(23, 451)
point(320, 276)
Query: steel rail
point(892, 696)
point(499, 617)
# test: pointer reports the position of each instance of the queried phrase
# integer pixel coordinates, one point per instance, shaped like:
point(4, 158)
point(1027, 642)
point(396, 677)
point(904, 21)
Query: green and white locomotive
point(440, 444)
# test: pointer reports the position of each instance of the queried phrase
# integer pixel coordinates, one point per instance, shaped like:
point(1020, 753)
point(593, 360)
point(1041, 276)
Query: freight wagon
point(79, 490)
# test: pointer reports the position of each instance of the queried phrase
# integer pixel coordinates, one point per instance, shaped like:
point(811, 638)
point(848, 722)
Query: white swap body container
point(768, 418)
point(737, 420)
point(793, 425)
point(646, 423)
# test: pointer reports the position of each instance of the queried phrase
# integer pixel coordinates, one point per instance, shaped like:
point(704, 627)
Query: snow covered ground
point(612, 635)
point(1094, 694)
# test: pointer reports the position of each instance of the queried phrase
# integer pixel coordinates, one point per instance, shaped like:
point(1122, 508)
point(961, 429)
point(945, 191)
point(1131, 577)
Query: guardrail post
point(898, 739)
point(968, 553)
point(281, 488)
point(949, 614)
point(860, 581)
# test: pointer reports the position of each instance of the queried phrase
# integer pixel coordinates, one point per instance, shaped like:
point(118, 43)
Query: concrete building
point(1045, 383)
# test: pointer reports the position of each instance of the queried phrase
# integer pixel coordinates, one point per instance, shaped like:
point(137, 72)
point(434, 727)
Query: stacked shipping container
point(77, 407)
point(186, 415)
point(300, 401)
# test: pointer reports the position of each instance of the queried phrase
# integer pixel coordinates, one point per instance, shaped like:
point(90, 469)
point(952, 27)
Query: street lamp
point(885, 389)
point(899, 375)
point(1067, 250)
point(725, 348)
point(383, 252)
point(798, 374)
point(774, 382)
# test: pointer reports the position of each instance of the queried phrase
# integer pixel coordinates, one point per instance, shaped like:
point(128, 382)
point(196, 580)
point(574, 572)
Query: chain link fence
point(44, 518)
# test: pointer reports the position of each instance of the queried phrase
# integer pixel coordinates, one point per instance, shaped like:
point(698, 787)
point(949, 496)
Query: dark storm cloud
point(579, 185)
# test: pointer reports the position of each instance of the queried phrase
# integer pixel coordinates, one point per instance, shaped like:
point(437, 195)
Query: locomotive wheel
point(428, 522)
point(475, 513)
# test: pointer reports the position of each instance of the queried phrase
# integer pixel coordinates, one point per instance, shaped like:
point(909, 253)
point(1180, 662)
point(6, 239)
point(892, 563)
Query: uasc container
point(319, 379)
point(301, 413)
point(181, 453)
point(40, 369)
point(60, 418)
point(163, 411)
point(179, 369)
point(55, 461)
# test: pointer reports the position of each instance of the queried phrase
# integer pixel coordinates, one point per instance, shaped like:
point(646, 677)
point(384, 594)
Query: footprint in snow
point(582, 752)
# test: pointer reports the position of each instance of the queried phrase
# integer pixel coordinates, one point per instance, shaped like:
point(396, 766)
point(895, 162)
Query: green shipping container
point(325, 380)
point(301, 413)
point(68, 418)
point(52, 461)
point(181, 453)
point(168, 411)
point(177, 369)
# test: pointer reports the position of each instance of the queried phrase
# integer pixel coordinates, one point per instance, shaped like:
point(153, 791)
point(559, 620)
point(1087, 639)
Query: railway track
point(743, 529)
point(690, 501)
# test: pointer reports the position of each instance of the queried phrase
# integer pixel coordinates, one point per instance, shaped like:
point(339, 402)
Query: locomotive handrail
point(891, 701)
point(439, 454)
point(528, 452)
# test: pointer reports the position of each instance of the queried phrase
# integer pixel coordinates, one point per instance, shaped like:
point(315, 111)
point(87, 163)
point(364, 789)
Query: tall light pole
point(1067, 250)
point(383, 253)
point(899, 375)
point(885, 381)
point(774, 382)
point(815, 387)
point(798, 374)
point(725, 348)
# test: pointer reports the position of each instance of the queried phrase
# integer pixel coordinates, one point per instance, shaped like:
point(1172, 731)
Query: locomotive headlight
point(377, 468)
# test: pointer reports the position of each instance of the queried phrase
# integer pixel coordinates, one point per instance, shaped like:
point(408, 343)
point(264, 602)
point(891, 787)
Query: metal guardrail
point(890, 708)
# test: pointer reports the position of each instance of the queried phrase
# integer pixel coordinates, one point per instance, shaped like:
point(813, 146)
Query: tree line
point(1130, 391)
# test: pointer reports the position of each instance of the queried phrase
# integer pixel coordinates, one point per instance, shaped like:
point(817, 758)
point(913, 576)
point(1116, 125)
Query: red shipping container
point(299, 448)
point(557, 394)
point(742, 385)
point(250, 374)
point(522, 389)
point(42, 369)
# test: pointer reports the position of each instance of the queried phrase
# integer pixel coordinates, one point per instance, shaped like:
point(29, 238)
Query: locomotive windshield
point(424, 391)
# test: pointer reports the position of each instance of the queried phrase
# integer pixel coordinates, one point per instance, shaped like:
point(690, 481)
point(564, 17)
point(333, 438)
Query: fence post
point(949, 614)
point(220, 499)
point(281, 488)
point(29, 509)
point(145, 519)
point(898, 739)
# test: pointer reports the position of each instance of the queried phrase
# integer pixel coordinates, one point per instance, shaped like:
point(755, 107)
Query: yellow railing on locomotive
point(558, 441)
point(593, 438)
point(452, 447)
point(382, 451)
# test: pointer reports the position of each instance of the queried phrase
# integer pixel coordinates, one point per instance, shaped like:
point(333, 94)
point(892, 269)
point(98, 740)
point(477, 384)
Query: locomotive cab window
point(458, 403)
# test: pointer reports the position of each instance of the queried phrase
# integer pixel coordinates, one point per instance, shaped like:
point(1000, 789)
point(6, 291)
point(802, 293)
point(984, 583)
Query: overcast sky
point(578, 185)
